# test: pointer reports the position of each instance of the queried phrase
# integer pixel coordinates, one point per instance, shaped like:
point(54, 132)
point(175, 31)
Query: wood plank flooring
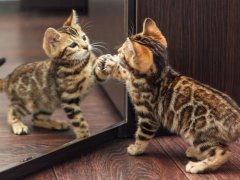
point(164, 159)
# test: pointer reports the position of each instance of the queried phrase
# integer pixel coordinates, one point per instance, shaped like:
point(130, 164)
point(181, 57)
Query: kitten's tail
point(2, 82)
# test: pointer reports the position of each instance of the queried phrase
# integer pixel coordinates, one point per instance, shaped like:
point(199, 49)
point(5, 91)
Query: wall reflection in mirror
point(21, 39)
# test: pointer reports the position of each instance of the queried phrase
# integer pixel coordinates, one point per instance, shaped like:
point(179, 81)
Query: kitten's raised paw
point(19, 128)
point(195, 167)
point(135, 150)
point(51, 124)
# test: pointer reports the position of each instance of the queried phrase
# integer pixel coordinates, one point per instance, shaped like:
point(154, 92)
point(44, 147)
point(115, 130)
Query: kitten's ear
point(150, 29)
point(141, 57)
point(50, 41)
point(72, 19)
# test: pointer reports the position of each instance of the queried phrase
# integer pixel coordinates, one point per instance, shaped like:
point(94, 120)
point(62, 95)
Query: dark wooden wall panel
point(203, 38)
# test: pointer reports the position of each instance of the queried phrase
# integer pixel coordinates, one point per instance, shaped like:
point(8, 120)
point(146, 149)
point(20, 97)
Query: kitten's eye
point(73, 45)
point(84, 37)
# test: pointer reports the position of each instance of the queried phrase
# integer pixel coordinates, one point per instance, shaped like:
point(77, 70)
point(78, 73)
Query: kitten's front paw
point(135, 150)
point(19, 128)
point(195, 167)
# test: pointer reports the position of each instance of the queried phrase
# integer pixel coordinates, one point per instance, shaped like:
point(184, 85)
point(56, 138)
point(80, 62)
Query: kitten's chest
point(141, 93)
point(75, 83)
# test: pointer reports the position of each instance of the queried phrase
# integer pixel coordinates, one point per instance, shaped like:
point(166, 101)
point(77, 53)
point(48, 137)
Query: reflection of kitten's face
point(138, 56)
point(68, 42)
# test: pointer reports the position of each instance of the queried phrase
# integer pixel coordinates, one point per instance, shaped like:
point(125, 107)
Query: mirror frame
point(74, 148)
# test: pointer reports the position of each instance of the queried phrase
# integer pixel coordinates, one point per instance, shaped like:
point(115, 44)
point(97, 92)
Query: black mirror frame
point(74, 148)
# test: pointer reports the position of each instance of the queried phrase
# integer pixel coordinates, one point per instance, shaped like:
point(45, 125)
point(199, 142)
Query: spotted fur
point(39, 88)
point(205, 117)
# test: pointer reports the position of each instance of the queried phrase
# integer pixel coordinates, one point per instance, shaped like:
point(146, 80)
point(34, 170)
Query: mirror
point(23, 24)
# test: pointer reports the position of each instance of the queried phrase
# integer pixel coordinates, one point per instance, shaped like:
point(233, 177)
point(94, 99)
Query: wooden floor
point(164, 159)
point(20, 42)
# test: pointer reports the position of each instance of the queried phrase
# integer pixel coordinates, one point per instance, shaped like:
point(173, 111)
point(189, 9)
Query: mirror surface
point(22, 27)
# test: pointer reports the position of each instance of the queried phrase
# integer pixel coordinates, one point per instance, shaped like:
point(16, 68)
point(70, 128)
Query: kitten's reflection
point(21, 43)
point(39, 88)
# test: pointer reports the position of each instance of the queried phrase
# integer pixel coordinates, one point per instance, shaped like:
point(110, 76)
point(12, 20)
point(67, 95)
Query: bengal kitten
point(206, 118)
point(39, 88)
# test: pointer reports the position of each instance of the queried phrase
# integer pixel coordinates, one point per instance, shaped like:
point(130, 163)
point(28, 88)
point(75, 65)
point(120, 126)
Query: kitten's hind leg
point(145, 132)
point(42, 119)
point(216, 156)
point(15, 113)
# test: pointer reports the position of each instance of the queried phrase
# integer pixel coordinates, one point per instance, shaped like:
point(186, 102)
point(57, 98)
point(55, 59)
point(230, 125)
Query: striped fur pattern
point(39, 88)
point(205, 117)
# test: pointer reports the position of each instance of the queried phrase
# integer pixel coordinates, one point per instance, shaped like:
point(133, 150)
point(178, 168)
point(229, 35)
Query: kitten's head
point(68, 42)
point(140, 49)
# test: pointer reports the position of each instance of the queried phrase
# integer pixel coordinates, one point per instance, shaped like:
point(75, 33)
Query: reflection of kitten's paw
point(19, 128)
point(81, 134)
point(106, 64)
point(51, 124)
point(135, 150)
